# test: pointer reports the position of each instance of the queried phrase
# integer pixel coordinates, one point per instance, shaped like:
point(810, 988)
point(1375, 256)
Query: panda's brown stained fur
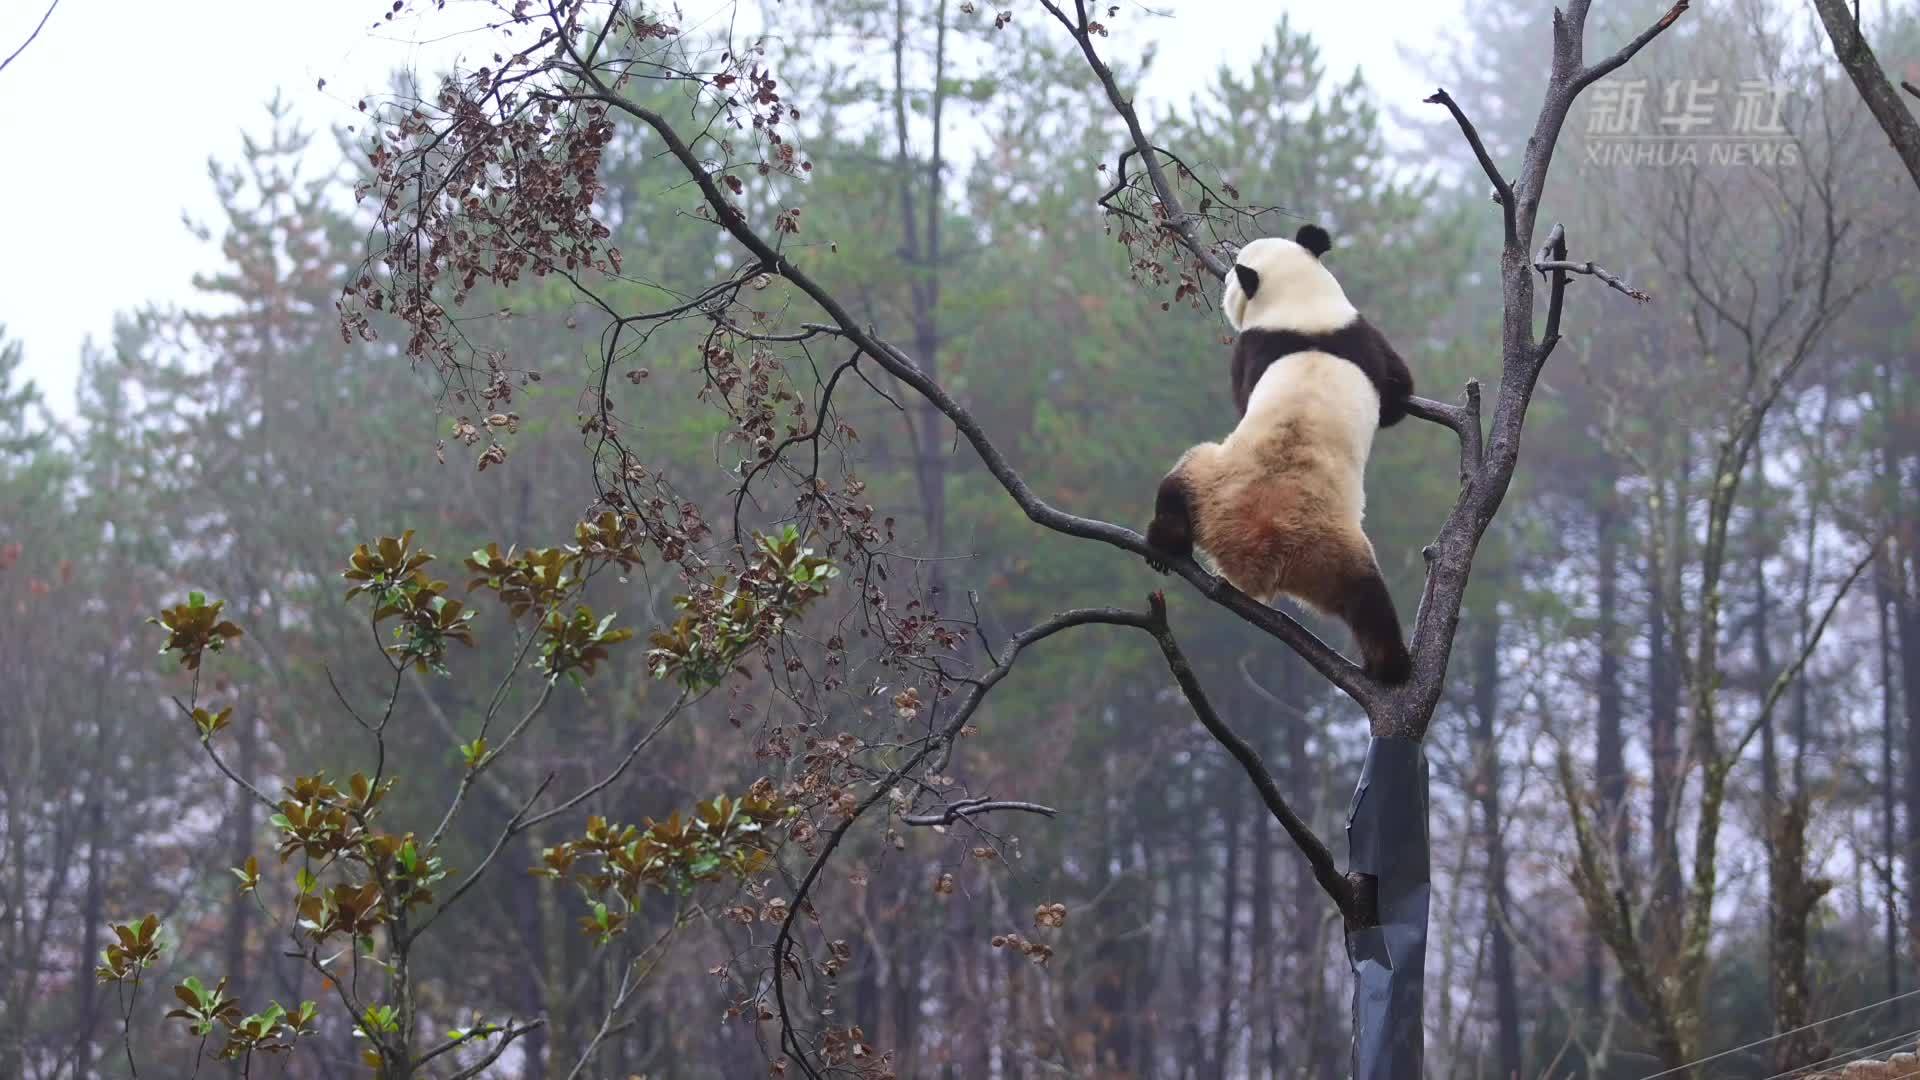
point(1272, 527)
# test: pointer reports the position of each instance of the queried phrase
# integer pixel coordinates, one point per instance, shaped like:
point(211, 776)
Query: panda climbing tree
point(1276, 505)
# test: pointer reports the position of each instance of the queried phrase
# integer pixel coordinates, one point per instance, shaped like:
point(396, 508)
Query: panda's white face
point(1292, 290)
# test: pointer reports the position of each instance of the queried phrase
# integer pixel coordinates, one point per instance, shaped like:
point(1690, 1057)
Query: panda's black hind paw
point(1392, 669)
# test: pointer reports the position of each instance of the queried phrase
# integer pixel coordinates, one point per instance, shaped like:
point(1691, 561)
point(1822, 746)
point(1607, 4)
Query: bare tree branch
point(36, 33)
point(1850, 47)
point(1325, 873)
point(1604, 67)
point(1502, 190)
point(1464, 419)
point(1178, 221)
point(1450, 557)
point(966, 808)
point(506, 1039)
point(1589, 268)
point(1784, 680)
point(962, 713)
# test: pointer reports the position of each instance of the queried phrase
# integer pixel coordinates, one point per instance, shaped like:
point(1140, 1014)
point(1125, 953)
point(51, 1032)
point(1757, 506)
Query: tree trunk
point(1318, 1049)
point(240, 908)
point(1610, 770)
point(93, 910)
point(1262, 1004)
point(1794, 898)
point(1487, 774)
point(1770, 816)
point(1387, 842)
point(1663, 723)
point(1224, 979)
point(1908, 618)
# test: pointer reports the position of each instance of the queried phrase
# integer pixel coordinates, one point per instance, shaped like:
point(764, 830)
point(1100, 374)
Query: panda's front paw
point(1158, 566)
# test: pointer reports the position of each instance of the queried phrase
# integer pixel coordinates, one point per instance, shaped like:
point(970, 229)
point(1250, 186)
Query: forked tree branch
point(1612, 63)
point(1450, 556)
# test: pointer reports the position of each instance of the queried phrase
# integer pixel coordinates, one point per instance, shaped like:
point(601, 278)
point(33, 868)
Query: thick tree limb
point(1336, 885)
point(1851, 48)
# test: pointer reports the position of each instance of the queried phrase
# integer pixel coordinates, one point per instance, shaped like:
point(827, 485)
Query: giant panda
point(1276, 505)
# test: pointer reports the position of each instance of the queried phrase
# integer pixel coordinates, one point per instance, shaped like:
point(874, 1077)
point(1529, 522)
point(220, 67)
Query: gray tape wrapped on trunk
point(1387, 838)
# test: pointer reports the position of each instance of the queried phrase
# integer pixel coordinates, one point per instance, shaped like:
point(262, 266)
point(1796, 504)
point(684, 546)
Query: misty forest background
point(237, 446)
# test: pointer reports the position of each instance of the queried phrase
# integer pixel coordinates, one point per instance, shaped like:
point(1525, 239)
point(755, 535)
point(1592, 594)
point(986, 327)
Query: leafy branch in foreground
point(356, 892)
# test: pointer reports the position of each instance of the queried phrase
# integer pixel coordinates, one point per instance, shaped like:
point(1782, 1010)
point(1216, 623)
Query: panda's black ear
point(1249, 280)
point(1314, 239)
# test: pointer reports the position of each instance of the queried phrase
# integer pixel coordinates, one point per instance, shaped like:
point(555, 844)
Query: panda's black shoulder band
point(1357, 342)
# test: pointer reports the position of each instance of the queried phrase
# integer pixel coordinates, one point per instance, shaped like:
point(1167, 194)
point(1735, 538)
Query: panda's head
point(1280, 284)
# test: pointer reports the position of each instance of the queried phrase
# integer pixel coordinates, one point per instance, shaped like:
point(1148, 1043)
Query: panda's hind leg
point(1344, 581)
point(1369, 613)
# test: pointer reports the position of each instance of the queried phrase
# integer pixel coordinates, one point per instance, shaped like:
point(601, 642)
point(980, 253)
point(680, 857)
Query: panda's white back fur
point(1319, 402)
point(1309, 399)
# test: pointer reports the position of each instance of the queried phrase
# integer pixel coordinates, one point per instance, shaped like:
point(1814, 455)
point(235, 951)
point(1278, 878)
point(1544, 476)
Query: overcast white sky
point(107, 121)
